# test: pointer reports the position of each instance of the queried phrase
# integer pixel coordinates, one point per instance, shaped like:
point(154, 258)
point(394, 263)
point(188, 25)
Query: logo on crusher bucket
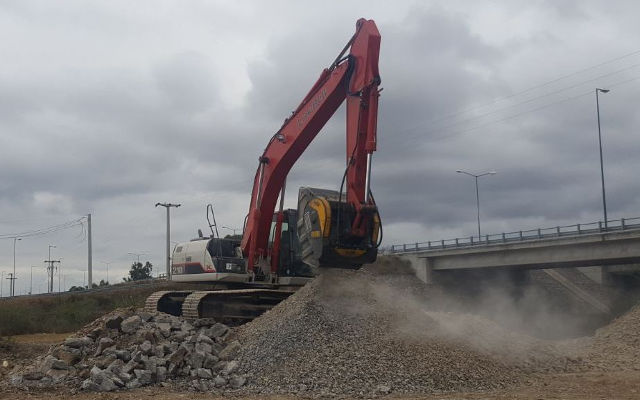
point(314, 104)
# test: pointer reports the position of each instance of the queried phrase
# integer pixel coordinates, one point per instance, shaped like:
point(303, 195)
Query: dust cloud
point(509, 317)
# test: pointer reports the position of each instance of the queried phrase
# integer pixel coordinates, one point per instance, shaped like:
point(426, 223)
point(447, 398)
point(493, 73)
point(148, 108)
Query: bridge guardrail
point(520, 236)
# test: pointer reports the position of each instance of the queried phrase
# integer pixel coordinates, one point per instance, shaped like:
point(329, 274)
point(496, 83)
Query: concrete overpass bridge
point(608, 249)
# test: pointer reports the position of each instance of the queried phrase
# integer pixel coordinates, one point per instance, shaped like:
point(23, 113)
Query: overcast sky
point(107, 107)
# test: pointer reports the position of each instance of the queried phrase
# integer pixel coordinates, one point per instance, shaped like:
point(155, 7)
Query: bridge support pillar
point(606, 277)
point(422, 266)
point(428, 271)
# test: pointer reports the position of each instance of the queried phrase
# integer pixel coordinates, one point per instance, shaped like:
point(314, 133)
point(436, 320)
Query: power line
point(538, 97)
point(44, 231)
point(449, 135)
point(507, 97)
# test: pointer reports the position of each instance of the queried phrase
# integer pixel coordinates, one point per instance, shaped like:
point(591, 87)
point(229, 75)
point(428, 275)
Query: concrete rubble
point(131, 349)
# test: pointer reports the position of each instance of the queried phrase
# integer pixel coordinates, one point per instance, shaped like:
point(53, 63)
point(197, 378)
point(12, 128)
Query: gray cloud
point(110, 108)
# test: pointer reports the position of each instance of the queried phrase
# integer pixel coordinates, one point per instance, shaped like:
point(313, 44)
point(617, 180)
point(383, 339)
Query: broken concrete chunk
point(217, 330)
point(230, 368)
point(197, 359)
point(146, 347)
point(77, 342)
point(145, 316)
point(67, 354)
point(204, 347)
point(204, 373)
point(161, 374)
point(210, 361)
point(178, 356)
point(230, 351)
point(89, 385)
point(124, 355)
point(104, 343)
point(133, 384)
point(114, 321)
point(131, 324)
point(219, 381)
point(143, 376)
point(237, 382)
point(50, 362)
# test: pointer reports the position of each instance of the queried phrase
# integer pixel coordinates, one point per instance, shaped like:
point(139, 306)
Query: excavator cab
point(290, 260)
point(324, 230)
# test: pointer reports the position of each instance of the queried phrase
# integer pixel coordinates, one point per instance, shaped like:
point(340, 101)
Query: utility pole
point(168, 259)
point(11, 279)
point(1, 283)
point(13, 282)
point(51, 268)
point(90, 253)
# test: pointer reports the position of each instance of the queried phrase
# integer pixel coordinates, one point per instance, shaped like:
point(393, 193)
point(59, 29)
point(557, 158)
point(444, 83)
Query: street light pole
point(107, 263)
point(476, 176)
point(168, 257)
point(604, 199)
point(137, 255)
point(31, 280)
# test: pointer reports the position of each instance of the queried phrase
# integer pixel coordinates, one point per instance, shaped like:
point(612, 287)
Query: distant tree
point(77, 288)
point(139, 272)
point(101, 284)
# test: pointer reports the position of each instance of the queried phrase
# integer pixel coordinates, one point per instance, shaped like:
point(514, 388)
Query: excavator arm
point(345, 226)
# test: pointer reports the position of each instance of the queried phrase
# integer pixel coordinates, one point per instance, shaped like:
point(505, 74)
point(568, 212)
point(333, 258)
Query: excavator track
point(166, 301)
point(233, 307)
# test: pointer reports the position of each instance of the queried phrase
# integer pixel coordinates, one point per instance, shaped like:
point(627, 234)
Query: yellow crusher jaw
point(323, 226)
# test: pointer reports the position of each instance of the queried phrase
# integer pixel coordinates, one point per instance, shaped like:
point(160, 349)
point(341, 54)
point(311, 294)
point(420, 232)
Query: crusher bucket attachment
point(324, 231)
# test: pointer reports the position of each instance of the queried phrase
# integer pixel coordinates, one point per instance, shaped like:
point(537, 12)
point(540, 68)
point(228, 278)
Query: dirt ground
point(588, 386)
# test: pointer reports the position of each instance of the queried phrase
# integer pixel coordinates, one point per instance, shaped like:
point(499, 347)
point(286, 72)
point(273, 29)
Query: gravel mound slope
point(367, 332)
point(617, 345)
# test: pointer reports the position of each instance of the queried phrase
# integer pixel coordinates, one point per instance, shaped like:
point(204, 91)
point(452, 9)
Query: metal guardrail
point(520, 236)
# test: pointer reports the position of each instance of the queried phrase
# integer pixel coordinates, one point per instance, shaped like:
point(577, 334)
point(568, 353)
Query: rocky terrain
point(366, 333)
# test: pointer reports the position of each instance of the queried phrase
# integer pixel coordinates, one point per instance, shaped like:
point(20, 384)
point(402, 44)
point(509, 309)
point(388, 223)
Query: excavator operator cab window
point(285, 227)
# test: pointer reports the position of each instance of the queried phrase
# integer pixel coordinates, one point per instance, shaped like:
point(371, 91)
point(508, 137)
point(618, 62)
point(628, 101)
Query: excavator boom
point(353, 77)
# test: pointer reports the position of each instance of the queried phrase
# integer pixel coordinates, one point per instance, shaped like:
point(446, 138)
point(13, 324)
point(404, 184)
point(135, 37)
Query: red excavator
point(330, 229)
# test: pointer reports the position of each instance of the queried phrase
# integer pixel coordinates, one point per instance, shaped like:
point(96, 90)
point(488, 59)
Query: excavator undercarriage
point(232, 306)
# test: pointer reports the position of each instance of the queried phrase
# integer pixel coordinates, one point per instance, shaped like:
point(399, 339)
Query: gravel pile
point(617, 345)
point(128, 349)
point(366, 333)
